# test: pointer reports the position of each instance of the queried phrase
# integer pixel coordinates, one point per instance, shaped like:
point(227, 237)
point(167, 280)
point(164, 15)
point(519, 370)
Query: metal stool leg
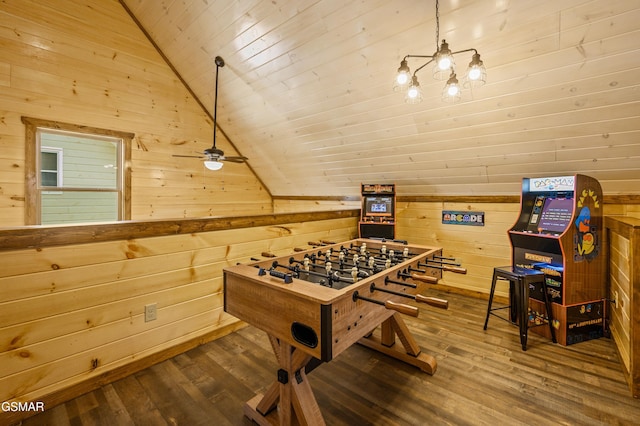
point(493, 290)
point(522, 300)
point(513, 301)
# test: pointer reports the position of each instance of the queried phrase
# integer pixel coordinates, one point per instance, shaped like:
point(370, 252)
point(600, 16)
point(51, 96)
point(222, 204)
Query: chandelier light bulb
point(402, 78)
point(444, 63)
point(451, 92)
point(414, 94)
point(474, 73)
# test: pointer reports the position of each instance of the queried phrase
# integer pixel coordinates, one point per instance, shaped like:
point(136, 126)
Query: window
point(50, 166)
point(76, 174)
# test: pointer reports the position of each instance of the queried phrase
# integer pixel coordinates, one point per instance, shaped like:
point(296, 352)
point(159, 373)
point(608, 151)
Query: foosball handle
point(432, 301)
point(456, 269)
point(412, 311)
point(425, 278)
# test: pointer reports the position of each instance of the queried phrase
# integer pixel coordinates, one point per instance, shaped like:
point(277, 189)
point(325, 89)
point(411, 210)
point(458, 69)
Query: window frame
point(59, 163)
point(33, 126)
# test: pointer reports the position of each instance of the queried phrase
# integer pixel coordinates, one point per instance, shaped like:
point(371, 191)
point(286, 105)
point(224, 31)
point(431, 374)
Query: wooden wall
point(479, 248)
point(74, 312)
point(88, 63)
point(624, 287)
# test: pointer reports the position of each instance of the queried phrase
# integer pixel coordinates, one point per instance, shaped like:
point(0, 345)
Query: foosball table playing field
point(316, 303)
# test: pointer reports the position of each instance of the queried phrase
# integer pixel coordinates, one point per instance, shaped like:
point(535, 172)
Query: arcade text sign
point(450, 217)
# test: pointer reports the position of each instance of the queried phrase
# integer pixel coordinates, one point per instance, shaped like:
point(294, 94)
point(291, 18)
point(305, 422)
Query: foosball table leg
point(410, 352)
point(289, 400)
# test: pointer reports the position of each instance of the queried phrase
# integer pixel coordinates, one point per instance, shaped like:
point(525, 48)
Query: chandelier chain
point(437, 25)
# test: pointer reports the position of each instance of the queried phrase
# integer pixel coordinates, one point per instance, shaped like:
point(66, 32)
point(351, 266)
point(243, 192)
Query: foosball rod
point(363, 262)
point(431, 301)
point(335, 254)
point(313, 259)
point(399, 253)
point(297, 270)
point(443, 260)
point(398, 307)
point(320, 243)
point(263, 254)
point(444, 267)
point(436, 256)
point(424, 278)
point(312, 264)
point(331, 277)
point(388, 280)
point(386, 240)
point(287, 278)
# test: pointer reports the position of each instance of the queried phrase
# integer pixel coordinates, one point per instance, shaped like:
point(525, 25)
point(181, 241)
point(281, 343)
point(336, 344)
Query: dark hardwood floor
point(483, 378)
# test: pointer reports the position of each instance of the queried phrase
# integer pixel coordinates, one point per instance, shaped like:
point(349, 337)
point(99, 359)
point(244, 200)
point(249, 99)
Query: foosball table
point(316, 303)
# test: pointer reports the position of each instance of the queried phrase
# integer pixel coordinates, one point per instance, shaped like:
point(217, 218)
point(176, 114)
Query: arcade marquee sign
point(450, 217)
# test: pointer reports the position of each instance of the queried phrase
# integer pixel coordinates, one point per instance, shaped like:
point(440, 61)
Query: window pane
point(87, 162)
point(49, 160)
point(49, 179)
point(76, 207)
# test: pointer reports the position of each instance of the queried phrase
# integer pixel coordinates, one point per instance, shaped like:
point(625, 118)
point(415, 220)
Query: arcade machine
point(377, 217)
point(559, 231)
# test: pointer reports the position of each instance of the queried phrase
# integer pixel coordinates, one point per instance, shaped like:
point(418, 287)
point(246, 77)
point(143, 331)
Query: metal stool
point(519, 281)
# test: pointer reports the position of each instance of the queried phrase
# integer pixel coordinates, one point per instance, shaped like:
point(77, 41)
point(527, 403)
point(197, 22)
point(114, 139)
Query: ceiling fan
point(214, 156)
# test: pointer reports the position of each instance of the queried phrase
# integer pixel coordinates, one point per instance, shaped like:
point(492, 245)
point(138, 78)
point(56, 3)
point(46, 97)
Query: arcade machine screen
point(556, 215)
point(379, 206)
point(550, 214)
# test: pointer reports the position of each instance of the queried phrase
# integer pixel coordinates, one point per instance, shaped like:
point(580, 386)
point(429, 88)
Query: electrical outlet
point(150, 312)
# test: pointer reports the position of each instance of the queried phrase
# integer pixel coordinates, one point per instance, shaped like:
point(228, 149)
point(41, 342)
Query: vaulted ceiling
point(306, 92)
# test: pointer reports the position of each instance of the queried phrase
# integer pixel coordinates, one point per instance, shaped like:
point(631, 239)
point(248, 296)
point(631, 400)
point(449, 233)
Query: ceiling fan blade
point(238, 159)
point(188, 156)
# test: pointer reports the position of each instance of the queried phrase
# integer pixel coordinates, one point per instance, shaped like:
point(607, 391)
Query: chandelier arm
point(419, 56)
point(465, 50)
point(424, 65)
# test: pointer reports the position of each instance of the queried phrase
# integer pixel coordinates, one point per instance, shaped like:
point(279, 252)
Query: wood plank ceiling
point(306, 92)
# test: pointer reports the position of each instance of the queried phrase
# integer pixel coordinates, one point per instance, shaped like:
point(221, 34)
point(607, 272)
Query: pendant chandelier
point(444, 68)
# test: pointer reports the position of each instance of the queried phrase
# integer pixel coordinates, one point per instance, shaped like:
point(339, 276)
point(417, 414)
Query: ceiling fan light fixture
point(216, 156)
point(213, 165)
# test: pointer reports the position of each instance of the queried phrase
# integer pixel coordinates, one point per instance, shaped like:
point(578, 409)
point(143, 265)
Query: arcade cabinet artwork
point(377, 217)
point(559, 232)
